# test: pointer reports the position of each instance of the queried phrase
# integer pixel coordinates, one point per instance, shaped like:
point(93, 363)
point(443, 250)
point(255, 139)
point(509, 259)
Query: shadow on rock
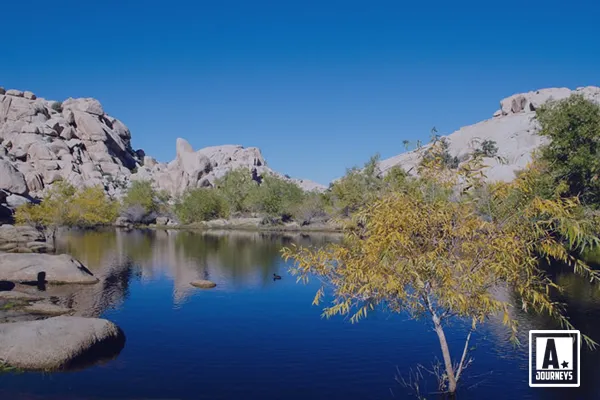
point(6, 286)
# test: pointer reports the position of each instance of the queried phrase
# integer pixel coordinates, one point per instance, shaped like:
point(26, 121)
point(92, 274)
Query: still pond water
point(255, 338)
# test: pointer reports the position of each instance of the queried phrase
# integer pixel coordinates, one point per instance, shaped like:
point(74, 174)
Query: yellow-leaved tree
point(429, 251)
point(63, 205)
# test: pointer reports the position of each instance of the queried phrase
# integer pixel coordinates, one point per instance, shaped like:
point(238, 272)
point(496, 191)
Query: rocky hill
point(513, 127)
point(201, 168)
point(44, 141)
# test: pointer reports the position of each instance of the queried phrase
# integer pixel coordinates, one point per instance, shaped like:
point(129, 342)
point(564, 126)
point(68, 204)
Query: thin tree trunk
point(446, 354)
point(461, 365)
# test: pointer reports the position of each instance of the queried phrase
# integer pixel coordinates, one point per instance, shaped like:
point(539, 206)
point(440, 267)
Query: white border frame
point(578, 334)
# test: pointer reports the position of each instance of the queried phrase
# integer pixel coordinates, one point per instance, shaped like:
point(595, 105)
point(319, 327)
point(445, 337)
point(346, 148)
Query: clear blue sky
point(317, 85)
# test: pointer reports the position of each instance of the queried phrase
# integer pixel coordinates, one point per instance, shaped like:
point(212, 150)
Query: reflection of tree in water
point(230, 258)
point(102, 252)
point(91, 247)
point(239, 256)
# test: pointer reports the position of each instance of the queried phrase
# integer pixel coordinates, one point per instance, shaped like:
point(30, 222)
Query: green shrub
point(142, 203)
point(447, 159)
point(356, 188)
point(312, 208)
point(141, 193)
point(276, 197)
point(396, 179)
point(66, 206)
point(57, 106)
point(197, 205)
point(573, 154)
point(237, 187)
point(488, 148)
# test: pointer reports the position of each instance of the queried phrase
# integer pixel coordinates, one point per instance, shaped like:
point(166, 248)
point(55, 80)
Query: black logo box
point(574, 376)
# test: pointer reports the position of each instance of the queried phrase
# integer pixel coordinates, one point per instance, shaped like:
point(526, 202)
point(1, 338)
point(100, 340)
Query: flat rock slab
point(58, 268)
point(203, 284)
point(20, 234)
point(46, 309)
point(56, 343)
point(19, 296)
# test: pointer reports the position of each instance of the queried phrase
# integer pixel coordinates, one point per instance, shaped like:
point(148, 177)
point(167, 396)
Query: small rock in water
point(203, 284)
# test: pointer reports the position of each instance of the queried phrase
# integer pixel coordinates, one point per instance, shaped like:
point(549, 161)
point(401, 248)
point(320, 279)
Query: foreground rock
point(47, 309)
point(14, 295)
point(23, 239)
point(58, 343)
point(203, 284)
point(513, 128)
point(58, 268)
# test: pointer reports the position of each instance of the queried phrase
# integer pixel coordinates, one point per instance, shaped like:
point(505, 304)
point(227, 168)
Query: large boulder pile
point(23, 239)
point(513, 127)
point(44, 141)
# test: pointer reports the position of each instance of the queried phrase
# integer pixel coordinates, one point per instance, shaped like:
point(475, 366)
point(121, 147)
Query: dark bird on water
point(276, 277)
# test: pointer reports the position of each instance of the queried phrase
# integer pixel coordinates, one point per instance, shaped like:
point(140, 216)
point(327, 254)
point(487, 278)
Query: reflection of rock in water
point(229, 258)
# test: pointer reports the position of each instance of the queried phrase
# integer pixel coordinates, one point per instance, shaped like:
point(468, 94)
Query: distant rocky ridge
point(201, 168)
point(44, 141)
point(513, 127)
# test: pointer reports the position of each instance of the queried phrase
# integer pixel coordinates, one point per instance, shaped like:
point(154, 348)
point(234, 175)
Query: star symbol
point(565, 364)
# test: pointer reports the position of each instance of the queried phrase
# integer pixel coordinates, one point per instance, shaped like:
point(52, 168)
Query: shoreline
point(246, 228)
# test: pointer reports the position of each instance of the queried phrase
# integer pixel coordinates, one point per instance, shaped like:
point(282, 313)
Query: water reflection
point(251, 337)
point(232, 259)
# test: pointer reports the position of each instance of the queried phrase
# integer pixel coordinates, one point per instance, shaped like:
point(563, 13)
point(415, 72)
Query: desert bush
point(142, 203)
point(276, 197)
point(312, 208)
point(356, 188)
point(447, 160)
point(488, 148)
point(66, 206)
point(237, 187)
point(57, 106)
point(573, 154)
point(197, 205)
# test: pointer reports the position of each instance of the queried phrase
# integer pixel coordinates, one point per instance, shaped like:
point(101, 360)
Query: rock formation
point(23, 239)
point(192, 169)
point(43, 141)
point(513, 128)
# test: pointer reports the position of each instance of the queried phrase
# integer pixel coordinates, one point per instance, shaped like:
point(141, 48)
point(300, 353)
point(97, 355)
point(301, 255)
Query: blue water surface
point(255, 338)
